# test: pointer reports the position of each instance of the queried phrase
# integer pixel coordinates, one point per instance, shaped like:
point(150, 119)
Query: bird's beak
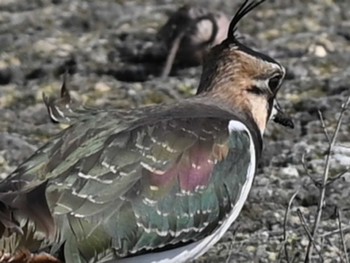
point(280, 117)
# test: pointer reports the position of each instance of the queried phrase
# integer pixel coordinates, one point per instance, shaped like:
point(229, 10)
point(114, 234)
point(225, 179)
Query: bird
point(189, 33)
point(183, 41)
point(158, 183)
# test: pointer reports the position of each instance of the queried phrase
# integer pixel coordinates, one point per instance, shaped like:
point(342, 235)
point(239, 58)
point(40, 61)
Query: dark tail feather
point(25, 220)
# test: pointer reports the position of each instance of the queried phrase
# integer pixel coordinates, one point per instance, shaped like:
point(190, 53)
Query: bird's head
point(242, 77)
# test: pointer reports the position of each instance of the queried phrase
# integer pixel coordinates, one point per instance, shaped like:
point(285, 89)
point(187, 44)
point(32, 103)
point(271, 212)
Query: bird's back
point(114, 186)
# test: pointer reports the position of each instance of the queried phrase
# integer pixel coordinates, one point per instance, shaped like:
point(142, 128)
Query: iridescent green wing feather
point(114, 187)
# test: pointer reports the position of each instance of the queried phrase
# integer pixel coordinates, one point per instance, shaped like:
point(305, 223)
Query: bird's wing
point(112, 186)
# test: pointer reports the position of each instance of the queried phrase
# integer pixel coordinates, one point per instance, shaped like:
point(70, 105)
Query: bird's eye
point(274, 83)
point(256, 90)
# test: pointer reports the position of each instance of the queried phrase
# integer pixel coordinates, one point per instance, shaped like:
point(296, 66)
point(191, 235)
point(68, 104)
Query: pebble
point(272, 256)
point(318, 50)
point(251, 249)
point(290, 171)
point(102, 87)
point(2, 160)
point(46, 46)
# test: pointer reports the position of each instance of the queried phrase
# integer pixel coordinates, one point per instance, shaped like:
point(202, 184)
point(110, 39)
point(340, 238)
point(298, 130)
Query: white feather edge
point(196, 249)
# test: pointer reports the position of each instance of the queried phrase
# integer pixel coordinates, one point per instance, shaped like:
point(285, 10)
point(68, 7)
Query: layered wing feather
point(112, 187)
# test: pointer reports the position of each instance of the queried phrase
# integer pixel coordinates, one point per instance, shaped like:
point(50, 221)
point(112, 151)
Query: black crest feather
point(244, 9)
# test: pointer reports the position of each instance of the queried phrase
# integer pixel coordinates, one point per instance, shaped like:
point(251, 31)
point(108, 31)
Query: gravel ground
point(95, 40)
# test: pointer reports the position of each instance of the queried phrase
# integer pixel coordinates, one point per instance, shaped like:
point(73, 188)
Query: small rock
point(102, 87)
point(342, 159)
point(2, 160)
point(318, 51)
point(290, 171)
point(294, 220)
point(304, 242)
point(346, 177)
point(251, 249)
point(45, 46)
point(272, 256)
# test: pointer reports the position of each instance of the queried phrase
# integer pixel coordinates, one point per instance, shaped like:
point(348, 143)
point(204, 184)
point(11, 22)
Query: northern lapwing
point(154, 184)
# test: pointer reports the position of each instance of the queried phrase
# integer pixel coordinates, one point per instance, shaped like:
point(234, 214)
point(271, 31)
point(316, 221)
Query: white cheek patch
point(274, 111)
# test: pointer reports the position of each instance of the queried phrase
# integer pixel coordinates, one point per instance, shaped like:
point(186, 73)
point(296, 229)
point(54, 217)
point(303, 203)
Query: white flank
point(196, 249)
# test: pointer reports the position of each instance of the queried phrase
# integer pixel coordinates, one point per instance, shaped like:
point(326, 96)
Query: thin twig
point(234, 231)
point(285, 234)
point(334, 232)
point(323, 125)
point(339, 175)
point(306, 228)
point(342, 236)
point(325, 179)
point(228, 259)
